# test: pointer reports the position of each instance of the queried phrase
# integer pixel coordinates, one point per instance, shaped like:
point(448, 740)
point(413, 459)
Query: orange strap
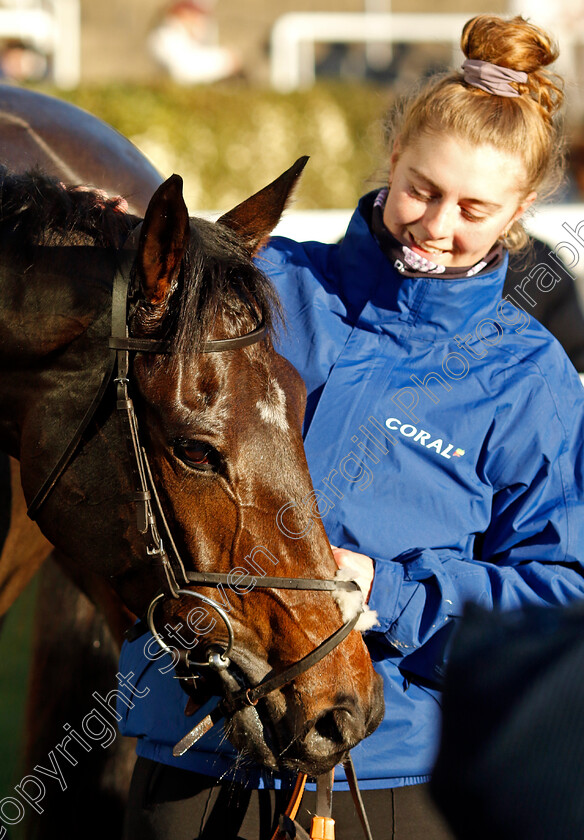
point(294, 803)
point(323, 825)
point(322, 828)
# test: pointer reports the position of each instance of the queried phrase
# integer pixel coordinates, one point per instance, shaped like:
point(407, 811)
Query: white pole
point(67, 51)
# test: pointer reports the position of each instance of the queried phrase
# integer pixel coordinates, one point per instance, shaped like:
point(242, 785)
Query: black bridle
point(150, 519)
point(149, 513)
point(219, 660)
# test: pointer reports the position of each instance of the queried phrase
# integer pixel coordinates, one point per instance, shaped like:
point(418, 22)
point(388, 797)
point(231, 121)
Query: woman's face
point(449, 201)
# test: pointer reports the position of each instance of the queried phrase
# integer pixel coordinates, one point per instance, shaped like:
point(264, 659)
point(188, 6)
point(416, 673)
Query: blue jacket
point(444, 433)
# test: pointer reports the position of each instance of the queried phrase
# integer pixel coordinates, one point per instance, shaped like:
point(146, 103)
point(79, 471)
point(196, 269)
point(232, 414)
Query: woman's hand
point(362, 567)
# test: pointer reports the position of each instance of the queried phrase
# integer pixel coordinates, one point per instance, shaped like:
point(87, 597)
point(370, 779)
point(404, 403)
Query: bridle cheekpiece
point(151, 521)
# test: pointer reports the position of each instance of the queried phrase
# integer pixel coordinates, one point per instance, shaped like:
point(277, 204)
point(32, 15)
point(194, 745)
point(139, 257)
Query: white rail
point(294, 37)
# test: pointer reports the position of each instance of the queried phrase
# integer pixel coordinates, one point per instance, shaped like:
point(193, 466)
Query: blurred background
point(228, 93)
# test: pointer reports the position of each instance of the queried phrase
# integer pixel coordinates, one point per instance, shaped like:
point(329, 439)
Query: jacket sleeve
point(532, 552)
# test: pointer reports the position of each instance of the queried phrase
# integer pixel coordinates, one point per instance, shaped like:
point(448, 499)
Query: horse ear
point(163, 240)
point(254, 219)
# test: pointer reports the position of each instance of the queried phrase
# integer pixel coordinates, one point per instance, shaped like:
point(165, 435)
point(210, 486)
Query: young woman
point(443, 430)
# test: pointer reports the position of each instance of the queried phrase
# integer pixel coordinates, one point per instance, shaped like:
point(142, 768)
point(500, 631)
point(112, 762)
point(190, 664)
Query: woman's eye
point(472, 217)
point(197, 454)
point(421, 196)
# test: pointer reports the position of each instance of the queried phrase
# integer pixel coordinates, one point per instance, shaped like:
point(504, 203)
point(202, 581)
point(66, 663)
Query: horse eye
point(197, 454)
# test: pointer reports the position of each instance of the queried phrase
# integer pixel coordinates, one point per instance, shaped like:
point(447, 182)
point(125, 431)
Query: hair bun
point(519, 45)
point(513, 43)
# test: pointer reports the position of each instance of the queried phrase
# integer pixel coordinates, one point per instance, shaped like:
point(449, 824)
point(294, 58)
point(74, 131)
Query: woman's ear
point(395, 153)
point(524, 205)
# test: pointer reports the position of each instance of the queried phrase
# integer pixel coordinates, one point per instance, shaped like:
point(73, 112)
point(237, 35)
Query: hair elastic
point(492, 77)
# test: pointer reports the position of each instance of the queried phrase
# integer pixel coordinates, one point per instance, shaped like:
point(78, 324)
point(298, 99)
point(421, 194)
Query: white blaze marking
point(273, 406)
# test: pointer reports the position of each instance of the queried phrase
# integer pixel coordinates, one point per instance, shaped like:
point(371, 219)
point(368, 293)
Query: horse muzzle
point(285, 719)
point(295, 730)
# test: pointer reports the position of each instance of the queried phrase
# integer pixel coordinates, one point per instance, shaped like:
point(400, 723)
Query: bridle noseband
point(220, 660)
point(150, 518)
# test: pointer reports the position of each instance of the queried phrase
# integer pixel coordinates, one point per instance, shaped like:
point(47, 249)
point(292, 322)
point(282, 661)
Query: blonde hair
point(525, 125)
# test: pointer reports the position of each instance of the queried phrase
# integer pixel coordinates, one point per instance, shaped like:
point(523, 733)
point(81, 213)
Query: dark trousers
point(170, 804)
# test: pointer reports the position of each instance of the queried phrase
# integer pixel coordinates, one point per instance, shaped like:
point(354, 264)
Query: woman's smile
point(423, 248)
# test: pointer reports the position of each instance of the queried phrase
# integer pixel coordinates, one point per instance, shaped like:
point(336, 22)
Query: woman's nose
point(439, 220)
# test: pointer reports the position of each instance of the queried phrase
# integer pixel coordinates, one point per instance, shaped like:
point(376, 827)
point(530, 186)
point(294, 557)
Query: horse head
point(194, 485)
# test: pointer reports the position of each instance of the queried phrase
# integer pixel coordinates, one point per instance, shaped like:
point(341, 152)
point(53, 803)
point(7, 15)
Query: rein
point(149, 514)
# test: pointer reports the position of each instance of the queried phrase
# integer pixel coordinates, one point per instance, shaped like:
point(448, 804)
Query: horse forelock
point(38, 209)
point(220, 293)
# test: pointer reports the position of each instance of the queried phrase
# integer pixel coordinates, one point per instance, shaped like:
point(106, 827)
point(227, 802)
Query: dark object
point(558, 309)
point(510, 764)
point(169, 802)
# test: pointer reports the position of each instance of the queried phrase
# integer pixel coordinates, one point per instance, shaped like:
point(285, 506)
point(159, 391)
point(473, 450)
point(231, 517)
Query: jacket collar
point(375, 293)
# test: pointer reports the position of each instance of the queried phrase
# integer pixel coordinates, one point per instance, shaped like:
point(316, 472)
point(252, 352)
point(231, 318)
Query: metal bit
point(197, 732)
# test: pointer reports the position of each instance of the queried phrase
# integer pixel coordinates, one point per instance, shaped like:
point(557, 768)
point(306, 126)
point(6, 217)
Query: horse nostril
point(339, 726)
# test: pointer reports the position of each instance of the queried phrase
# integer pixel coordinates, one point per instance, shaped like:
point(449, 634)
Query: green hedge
point(228, 141)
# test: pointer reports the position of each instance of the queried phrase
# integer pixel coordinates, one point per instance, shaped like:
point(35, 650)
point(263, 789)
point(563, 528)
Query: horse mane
point(36, 209)
point(219, 287)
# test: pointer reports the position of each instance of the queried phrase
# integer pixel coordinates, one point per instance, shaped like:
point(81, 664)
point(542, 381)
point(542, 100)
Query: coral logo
point(424, 438)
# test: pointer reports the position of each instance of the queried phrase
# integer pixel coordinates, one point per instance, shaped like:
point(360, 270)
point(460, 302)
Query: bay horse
point(222, 433)
point(45, 133)
point(42, 132)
